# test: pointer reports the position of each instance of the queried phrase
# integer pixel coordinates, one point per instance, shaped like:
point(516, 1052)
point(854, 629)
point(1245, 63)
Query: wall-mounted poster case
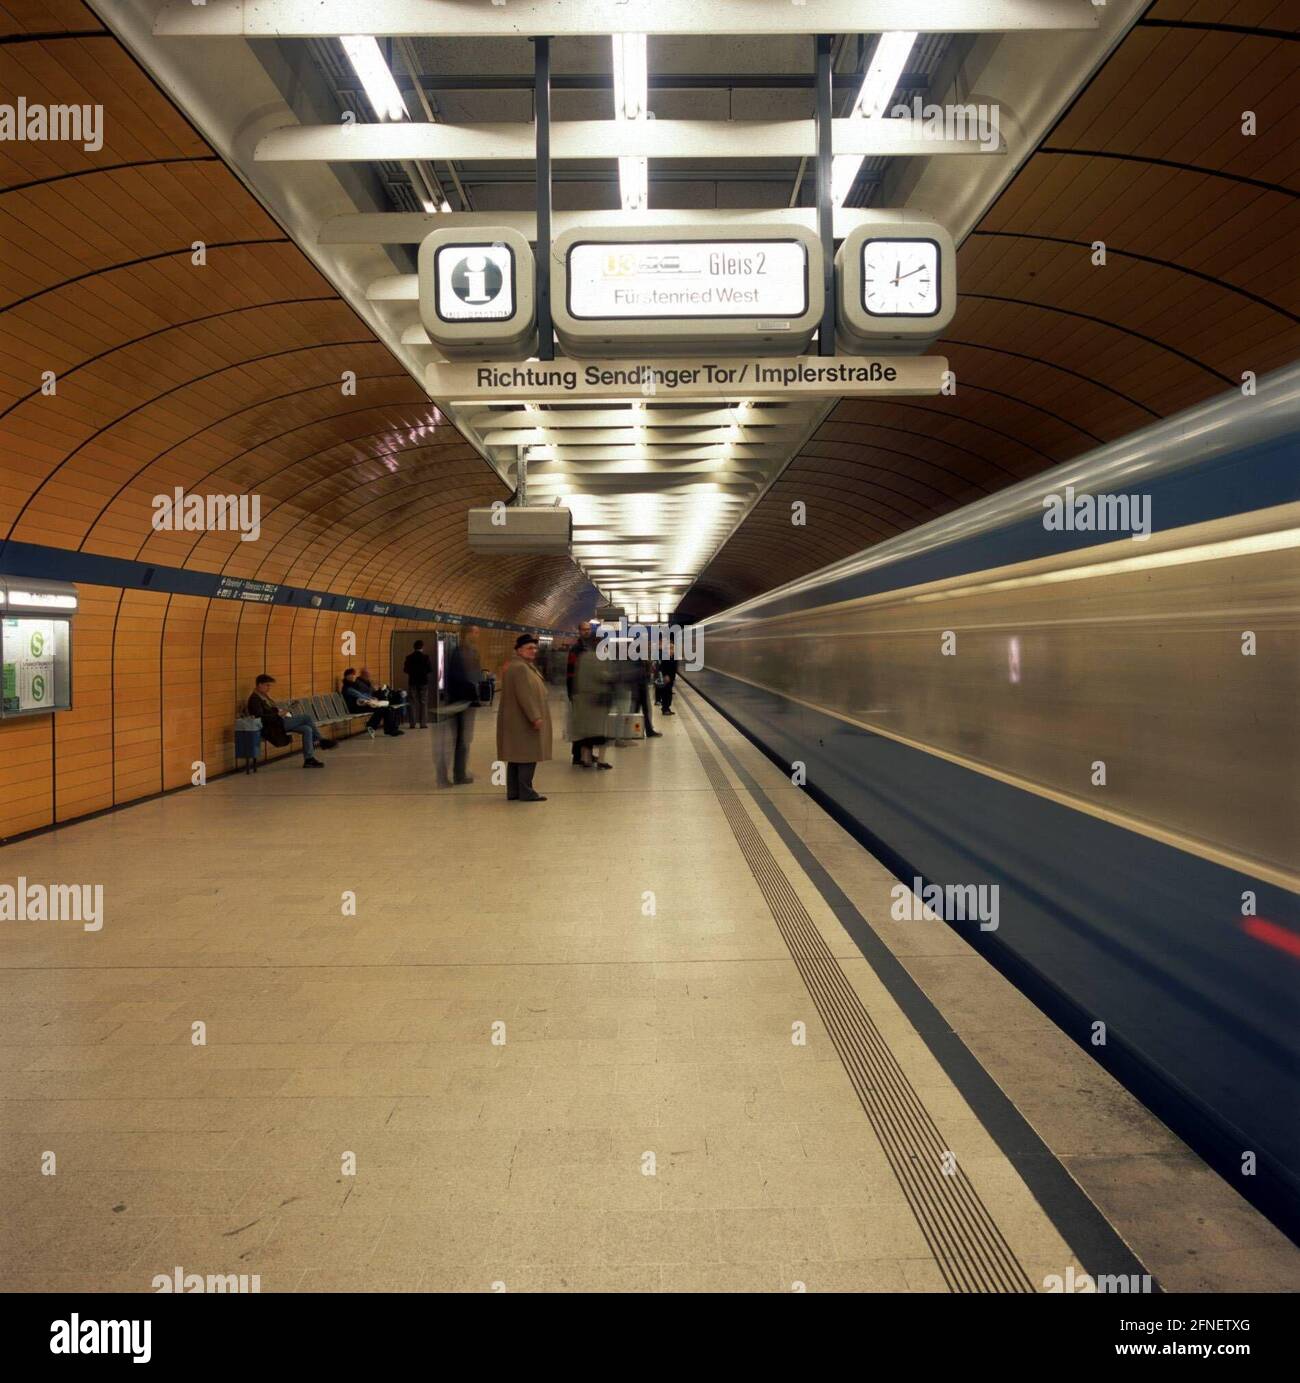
point(35, 646)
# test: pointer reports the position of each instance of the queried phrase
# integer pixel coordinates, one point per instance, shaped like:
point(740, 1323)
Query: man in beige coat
point(523, 721)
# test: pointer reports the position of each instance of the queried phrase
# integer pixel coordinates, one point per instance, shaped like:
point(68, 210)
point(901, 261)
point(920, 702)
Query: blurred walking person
point(581, 646)
point(464, 673)
point(593, 699)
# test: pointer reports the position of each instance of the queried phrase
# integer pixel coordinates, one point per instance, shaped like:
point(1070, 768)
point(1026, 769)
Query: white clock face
point(900, 278)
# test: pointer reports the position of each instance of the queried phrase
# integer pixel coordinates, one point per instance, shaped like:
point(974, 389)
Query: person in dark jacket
point(464, 672)
point(276, 727)
point(397, 705)
point(393, 695)
point(643, 679)
point(361, 697)
point(668, 666)
point(593, 695)
point(583, 643)
point(418, 668)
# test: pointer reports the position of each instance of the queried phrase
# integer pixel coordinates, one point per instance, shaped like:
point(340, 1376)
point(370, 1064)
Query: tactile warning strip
point(966, 1242)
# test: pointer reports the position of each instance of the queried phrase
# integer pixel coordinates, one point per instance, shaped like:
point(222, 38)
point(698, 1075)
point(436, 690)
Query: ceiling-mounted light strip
point(888, 63)
point(631, 100)
point(385, 97)
point(631, 80)
point(369, 65)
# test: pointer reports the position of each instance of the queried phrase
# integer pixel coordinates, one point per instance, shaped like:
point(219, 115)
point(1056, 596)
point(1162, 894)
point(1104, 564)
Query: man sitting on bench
point(360, 697)
point(276, 728)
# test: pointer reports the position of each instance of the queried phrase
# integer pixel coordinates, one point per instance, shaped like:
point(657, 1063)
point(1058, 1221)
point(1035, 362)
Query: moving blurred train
point(1103, 724)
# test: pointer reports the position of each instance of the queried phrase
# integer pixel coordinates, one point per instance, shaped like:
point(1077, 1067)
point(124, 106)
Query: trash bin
point(248, 743)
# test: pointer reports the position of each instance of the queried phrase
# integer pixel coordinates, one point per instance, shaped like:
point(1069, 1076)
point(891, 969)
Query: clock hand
point(909, 274)
point(897, 267)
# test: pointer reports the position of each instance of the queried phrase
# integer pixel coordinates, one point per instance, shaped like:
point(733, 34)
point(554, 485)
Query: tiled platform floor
point(551, 1049)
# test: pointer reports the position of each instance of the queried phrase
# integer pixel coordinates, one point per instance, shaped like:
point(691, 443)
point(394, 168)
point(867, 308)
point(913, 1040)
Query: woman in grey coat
point(593, 696)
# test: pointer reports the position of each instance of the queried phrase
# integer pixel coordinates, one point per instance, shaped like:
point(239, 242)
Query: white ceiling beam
point(410, 227)
point(584, 139)
point(645, 483)
point(631, 436)
point(612, 560)
point(621, 509)
point(614, 469)
point(395, 288)
point(522, 420)
point(614, 544)
point(565, 18)
point(628, 544)
point(637, 574)
point(628, 574)
point(649, 558)
point(658, 453)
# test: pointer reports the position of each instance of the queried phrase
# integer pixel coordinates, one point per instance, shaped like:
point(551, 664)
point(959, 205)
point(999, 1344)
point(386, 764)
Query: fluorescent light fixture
point(888, 63)
point(446, 205)
point(634, 183)
point(369, 65)
point(631, 82)
point(631, 99)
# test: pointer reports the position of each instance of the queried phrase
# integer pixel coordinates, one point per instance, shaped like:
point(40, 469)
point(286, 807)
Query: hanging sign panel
point(683, 279)
point(473, 283)
point(896, 280)
point(633, 290)
point(476, 293)
point(715, 378)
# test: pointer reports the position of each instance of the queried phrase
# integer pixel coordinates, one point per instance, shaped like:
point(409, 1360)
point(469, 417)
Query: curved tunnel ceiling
point(229, 376)
point(226, 377)
point(1053, 355)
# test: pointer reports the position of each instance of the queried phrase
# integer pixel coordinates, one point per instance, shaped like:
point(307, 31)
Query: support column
point(825, 208)
point(542, 116)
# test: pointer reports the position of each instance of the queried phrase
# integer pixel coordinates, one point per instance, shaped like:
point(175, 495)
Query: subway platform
point(349, 1031)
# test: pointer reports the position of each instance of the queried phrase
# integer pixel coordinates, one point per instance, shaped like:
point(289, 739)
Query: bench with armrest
point(328, 708)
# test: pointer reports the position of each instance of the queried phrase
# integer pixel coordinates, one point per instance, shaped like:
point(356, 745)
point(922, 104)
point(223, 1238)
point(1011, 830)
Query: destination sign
point(760, 377)
point(614, 280)
point(242, 588)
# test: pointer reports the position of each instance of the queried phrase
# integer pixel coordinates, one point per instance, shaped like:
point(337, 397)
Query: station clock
point(900, 278)
point(895, 282)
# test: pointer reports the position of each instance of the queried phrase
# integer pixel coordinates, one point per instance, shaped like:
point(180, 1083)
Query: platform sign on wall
point(36, 665)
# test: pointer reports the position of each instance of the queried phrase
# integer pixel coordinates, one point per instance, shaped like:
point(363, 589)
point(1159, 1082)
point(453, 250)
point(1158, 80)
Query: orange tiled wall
point(156, 682)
